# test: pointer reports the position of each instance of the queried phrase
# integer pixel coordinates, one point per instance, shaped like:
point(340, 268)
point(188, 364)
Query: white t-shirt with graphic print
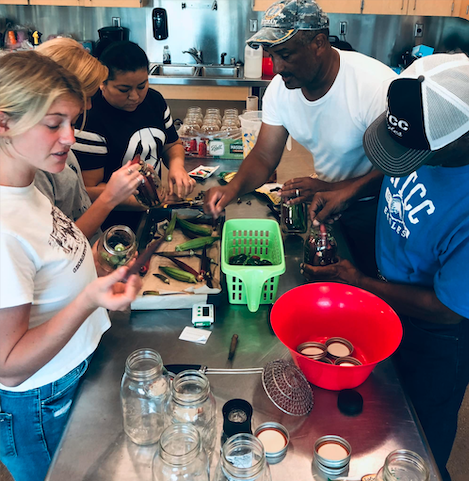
point(332, 127)
point(46, 261)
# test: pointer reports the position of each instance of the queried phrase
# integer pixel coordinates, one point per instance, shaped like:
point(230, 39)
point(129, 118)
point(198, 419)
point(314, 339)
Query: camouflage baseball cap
point(285, 18)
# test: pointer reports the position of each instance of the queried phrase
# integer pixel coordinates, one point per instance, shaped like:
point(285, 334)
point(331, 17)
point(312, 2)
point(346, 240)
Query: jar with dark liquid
point(294, 218)
point(320, 246)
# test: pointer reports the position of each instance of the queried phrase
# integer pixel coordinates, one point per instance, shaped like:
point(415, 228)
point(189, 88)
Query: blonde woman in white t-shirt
point(52, 305)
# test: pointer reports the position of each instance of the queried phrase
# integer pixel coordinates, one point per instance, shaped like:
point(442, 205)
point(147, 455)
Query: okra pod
point(170, 228)
point(194, 228)
point(196, 243)
point(179, 274)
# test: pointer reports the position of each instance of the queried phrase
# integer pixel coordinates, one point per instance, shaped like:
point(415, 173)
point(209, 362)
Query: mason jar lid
point(332, 452)
point(338, 347)
point(326, 360)
point(313, 350)
point(347, 361)
point(275, 438)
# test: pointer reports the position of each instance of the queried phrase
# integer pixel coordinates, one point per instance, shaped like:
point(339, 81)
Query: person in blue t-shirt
point(421, 143)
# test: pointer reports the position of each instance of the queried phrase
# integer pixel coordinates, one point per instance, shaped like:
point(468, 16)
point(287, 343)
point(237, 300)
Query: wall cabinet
point(440, 8)
point(385, 7)
point(79, 3)
point(464, 9)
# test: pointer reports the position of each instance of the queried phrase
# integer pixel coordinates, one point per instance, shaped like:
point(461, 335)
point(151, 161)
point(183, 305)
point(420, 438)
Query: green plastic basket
point(252, 285)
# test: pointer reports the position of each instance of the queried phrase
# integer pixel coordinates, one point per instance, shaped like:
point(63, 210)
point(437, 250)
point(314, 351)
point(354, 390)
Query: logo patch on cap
point(397, 126)
point(273, 13)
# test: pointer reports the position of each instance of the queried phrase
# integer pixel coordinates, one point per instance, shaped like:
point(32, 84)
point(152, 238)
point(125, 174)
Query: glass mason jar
point(180, 455)
point(320, 247)
point(192, 402)
point(116, 247)
point(144, 394)
point(403, 465)
point(242, 458)
point(294, 218)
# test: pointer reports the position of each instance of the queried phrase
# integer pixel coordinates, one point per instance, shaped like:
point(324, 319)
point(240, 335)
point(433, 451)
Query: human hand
point(122, 184)
point(179, 181)
point(216, 199)
point(327, 207)
point(111, 293)
point(341, 271)
point(302, 189)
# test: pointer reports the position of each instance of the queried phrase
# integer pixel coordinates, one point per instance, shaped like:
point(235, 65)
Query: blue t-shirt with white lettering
point(422, 233)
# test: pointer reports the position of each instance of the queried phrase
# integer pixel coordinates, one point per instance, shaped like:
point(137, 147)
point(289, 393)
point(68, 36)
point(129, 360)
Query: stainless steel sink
point(217, 71)
point(194, 70)
point(174, 70)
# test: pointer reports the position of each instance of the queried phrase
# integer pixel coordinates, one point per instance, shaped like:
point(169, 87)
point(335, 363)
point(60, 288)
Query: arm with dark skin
point(411, 300)
point(329, 204)
point(255, 170)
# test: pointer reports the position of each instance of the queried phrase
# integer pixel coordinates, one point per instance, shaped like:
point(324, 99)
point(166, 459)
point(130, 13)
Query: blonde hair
point(29, 84)
point(71, 55)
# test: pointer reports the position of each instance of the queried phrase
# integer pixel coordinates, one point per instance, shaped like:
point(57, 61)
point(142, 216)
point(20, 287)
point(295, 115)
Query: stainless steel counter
point(96, 448)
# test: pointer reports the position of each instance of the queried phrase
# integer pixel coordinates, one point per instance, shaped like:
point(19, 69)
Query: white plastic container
point(253, 62)
point(250, 124)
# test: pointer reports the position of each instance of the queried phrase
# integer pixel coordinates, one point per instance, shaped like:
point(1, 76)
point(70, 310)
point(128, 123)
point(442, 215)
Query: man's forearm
point(253, 172)
point(363, 186)
point(411, 300)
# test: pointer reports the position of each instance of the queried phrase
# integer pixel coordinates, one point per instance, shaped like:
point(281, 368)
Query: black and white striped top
point(111, 136)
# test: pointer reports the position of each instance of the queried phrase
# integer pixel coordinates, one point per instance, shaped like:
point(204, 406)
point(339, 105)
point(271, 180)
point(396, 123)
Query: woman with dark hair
point(127, 119)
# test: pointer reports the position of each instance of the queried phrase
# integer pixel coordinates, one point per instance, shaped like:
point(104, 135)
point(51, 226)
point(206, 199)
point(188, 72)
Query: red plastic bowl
point(319, 311)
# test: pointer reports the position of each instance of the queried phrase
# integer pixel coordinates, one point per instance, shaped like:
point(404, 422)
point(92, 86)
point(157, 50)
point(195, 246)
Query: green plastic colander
point(252, 285)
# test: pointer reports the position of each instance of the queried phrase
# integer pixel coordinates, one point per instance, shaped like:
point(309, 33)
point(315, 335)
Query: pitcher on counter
point(52, 305)
point(421, 143)
point(325, 99)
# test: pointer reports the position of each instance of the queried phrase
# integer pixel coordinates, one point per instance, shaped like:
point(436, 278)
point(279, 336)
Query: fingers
point(213, 203)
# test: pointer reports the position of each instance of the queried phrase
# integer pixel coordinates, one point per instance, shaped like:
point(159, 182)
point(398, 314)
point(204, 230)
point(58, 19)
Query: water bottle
point(253, 62)
point(166, 54)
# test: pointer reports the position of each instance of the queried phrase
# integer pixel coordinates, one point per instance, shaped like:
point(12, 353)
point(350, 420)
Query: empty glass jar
point(192, 402)
point(180, 455)
point(403, 465)
point(242, 458)
point(144, 394)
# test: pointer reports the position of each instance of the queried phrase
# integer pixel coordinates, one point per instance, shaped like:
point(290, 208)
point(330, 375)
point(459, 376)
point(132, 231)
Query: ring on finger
point(129, 171)
point(297, 192)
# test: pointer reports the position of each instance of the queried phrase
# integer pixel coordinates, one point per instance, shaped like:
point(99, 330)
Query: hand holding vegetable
point(111, 293)
point(122, 184)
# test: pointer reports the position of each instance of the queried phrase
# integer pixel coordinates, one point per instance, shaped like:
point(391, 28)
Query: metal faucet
point(222, 59)
point(195, 54)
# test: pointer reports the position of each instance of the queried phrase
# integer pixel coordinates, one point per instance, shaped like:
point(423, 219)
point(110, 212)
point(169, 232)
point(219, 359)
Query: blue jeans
point(32, 423)
point(433, 363)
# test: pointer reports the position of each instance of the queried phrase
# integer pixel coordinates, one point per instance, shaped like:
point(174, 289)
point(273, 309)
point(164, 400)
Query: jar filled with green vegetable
point(294, 218)
point(116, 247)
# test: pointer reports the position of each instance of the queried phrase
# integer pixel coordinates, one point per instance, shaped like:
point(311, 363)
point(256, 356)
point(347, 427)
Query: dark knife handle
point(143, 258)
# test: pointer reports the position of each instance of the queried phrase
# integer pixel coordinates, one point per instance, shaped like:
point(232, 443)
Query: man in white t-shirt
point(326, 99)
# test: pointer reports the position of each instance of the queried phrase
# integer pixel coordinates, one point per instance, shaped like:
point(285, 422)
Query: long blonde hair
point(29, 84)
point(71, 55)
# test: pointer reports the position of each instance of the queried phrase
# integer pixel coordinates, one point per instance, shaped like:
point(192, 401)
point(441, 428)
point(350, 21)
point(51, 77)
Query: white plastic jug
point(253, 62)
point(250, 125)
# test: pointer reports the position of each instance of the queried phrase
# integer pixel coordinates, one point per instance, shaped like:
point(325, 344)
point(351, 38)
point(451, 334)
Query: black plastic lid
point(350, 402)
point(237, 414)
